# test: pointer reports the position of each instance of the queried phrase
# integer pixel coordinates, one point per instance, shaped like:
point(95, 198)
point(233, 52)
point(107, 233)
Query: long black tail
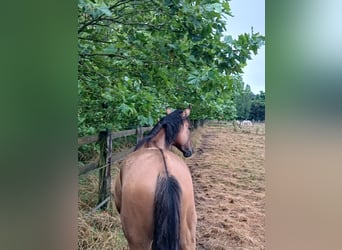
point(166, 235)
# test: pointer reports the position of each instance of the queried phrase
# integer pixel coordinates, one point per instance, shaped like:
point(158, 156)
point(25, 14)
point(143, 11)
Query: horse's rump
point(166, 215)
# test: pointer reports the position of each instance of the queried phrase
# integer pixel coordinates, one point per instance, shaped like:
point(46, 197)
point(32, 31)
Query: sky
point(247, 14)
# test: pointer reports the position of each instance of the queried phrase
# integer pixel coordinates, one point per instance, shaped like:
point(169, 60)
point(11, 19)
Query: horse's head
point(183, 140)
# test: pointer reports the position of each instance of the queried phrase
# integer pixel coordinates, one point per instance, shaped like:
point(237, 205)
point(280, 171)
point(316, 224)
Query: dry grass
point(100, 229)
point(229, 182)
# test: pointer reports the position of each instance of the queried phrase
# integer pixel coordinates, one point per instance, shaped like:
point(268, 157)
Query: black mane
point(171, 123)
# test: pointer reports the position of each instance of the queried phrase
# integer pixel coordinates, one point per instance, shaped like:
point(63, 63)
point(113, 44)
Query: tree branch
point(90, 22)
point(94, 40)
point(126, 58)
point(157, 27)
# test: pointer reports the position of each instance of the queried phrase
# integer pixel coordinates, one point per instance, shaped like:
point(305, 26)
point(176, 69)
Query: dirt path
point(229, 182)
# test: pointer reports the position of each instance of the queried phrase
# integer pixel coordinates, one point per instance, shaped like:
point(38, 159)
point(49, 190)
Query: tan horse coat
point(135, 186)
point(137, 204)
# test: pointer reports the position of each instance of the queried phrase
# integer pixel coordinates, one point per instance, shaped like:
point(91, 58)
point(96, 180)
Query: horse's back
point(140, 170)
point(147, 164)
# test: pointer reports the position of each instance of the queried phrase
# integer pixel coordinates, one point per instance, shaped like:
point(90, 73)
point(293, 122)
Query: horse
point(246, 123)
point(236, 123)
point(153, 191)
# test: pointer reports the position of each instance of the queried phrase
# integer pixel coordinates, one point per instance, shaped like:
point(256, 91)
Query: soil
point(229, 184)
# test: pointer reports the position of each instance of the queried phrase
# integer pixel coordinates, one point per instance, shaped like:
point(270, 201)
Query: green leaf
point(110, 49)
point(228, 39)
point(173, 54)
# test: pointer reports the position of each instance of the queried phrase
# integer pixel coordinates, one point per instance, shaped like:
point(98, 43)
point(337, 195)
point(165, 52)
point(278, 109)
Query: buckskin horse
point(153, 191)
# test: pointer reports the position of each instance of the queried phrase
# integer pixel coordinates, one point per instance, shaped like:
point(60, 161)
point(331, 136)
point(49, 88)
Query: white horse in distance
point(246, 123)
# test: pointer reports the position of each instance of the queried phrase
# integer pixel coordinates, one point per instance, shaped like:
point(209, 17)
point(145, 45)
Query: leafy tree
point(243, 101)
point(137, 57)
point(257, 111)
point(249, 106)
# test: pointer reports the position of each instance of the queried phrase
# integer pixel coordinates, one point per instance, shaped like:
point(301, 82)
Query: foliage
point(257, 111)
point(137, 57)
point(249, 106)
point(243, 100)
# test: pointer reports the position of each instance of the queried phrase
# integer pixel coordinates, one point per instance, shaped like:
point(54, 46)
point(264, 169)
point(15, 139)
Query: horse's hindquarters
point(189, 221)
point(139, 176)
point(116, 192)
point(137, 196)
point(136, 216)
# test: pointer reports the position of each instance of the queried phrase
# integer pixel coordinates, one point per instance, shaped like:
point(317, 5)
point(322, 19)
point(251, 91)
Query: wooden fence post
point(105, 173)
point(137, 134)
point(141, 133)
point(195, 124)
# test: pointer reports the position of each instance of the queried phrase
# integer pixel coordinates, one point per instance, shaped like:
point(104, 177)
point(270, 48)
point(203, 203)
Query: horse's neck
point(157, 141)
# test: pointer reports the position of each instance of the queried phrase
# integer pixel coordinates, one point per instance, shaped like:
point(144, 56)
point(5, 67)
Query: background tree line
point(137, 57)
point(250, 106)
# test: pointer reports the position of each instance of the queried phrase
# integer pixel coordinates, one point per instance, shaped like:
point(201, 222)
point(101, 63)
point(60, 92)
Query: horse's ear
point(168, 110)
point(186, 112)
